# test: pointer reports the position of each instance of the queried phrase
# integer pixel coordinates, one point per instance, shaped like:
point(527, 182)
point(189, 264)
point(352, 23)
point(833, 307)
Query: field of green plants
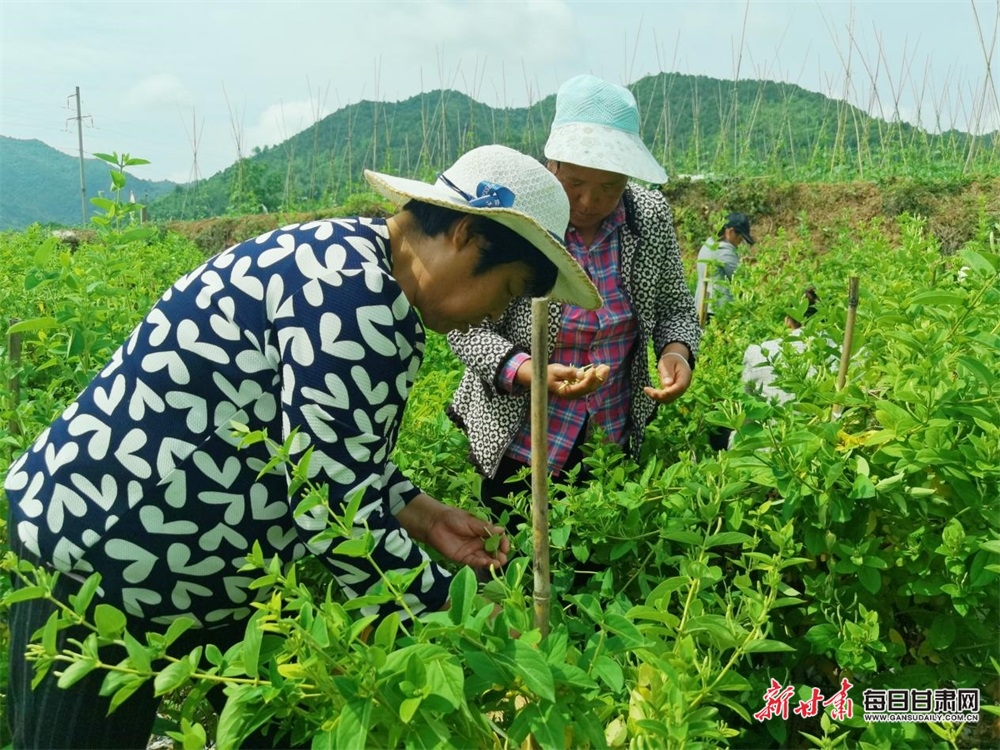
point(816, 557)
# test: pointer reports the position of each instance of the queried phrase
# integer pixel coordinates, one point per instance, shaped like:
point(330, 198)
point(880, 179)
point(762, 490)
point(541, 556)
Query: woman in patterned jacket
point(623, 235)
point(312, 330)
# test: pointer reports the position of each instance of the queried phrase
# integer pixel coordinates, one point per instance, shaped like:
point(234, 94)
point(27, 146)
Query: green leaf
point(23, 595)
point(991, 545)
point(870, 578)
point(177, 628)
point(124, 693)
point(138, 234)
point(609, 672)
point(35, 324)
point(715, 626)
point(76, 672)
point(416, 670)
point(980, 262)
point(683, 537)
point(81, 600)
point(353, 504)
point(532, 668)
point(355, 547)
point(351, 730)
point(978, 370)
point(623, 627)
point(251, 645)
point(942, 632)
point(50, 635)
point(766, 645)
point(446, 680)
point(862, 488)
point(487, 668)
point(104, 204)
point(110, 621)
point(939, 297)
point(234, 716)
point(408, 708)
point(172, 677)
point(823, 637)
point(727, 537)
point(385, 633)
point(492, 543)
point(462, 592)
point(548, 725)
point(109, 158)
point(137, 653)
point(940, 731)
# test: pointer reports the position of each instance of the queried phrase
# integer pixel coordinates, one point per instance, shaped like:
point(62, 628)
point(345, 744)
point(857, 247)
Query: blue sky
point(156, 77)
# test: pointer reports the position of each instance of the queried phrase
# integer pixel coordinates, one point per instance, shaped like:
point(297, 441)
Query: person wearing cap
point(623, 235)
point(312, 333)
point(717, 263)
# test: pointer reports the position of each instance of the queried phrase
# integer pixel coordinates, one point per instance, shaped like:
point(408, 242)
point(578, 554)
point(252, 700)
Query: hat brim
point(572, 283)
point(601, 147)
point(748, 238)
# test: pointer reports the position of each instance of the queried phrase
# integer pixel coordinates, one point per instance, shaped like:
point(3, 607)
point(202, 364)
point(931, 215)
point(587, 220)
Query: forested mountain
point(41, 184)
point(694, 124)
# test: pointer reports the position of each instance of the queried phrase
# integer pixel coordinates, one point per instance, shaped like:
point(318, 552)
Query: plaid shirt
point(604, 336)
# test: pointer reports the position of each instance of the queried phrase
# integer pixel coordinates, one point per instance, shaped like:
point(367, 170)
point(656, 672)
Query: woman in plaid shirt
point(623, 236)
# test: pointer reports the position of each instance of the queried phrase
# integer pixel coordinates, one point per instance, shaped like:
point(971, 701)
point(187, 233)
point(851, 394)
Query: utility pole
point(79, 132)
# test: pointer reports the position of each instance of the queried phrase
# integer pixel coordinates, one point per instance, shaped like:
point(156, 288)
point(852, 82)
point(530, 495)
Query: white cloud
point(162, 90)
point(484, 49)
point(281, 121)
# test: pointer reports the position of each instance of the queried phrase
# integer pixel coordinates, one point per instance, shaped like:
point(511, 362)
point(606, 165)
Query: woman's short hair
point(502, 245)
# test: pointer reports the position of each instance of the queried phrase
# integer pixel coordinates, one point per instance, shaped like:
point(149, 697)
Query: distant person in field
point(717, 263)
point(758, 374)
point(759, 359)
point(314, 329)
point(623, 235)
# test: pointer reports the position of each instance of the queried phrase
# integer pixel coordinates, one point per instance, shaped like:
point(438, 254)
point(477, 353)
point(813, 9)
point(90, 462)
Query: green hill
point(694, 124)
point(41, 184)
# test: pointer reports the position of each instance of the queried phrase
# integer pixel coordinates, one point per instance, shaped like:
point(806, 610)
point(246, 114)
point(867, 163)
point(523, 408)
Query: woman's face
point(593, 193)
point(450, 297)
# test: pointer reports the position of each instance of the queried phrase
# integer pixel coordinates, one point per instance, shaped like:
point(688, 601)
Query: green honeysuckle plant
point(613, 671)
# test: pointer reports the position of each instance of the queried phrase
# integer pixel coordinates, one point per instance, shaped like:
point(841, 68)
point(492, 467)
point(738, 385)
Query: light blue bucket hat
point(597, 126)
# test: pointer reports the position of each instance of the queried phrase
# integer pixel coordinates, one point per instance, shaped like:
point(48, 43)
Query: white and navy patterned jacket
point(653, 280)
point(140, 478)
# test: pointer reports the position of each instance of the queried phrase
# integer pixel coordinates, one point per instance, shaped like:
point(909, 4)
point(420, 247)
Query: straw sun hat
point(597, 125)
point(512, 189)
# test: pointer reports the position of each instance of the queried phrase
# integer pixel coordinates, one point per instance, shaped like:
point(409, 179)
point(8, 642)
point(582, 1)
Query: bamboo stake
point(539, 459)
point(14, 384)
point(845, 351)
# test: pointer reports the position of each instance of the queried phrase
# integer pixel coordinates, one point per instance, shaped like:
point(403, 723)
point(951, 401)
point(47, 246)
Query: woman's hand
point(567, 381)
point(455, 533)
point(675, 376)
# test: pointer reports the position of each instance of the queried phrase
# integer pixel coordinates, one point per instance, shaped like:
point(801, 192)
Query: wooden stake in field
point(539, 459)
point(845, 351)
point(703, 307)
point(14, 384)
